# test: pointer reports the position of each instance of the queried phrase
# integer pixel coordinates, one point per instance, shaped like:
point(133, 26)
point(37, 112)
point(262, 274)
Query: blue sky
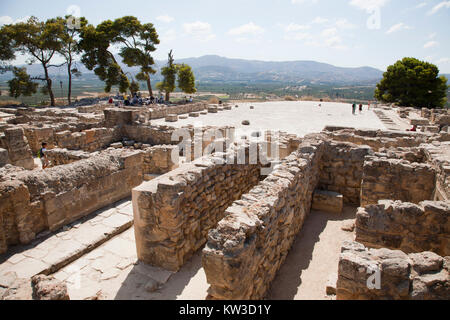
point(347, 33)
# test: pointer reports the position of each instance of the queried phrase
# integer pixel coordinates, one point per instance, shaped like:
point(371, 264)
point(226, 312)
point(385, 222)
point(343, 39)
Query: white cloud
point(168, 36)
point(320, 20)
point(398, 27)
point(368, 4)
point(344, 24)
point(296, 27)
point(247, 29)
point(432, 35)
point(165, 18)
point(200, 30)
point(304, 1)
point(430, 44)
point(331, 32)
point(8, 20)
point(421, 5)
point(297, 36)
point(439, 6)
point(443, 60)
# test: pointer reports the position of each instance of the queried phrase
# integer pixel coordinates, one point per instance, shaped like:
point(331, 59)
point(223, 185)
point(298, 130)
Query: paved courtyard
point(296, 117)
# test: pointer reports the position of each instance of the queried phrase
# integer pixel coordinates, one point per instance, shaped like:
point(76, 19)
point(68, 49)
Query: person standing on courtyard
point(354, 108)
point(360, 108)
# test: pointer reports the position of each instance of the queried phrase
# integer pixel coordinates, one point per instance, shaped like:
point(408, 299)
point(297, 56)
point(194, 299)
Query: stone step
point(53, 250)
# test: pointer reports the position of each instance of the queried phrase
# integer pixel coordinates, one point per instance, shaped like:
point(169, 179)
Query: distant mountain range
point(213, 68)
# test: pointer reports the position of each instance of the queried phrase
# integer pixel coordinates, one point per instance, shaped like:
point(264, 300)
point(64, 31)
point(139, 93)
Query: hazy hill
point(212, 68)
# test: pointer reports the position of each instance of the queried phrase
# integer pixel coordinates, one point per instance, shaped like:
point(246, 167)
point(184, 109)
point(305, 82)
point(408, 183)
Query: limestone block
point(328, 201)
point(171, 118)
point(419, 122)
point(194, 114)
point(212, 109)
point(383, 274)
point(4, 159)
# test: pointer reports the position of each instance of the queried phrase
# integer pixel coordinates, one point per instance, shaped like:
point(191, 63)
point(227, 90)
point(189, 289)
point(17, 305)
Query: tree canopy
point(169, 72)
point(411, 82)
point(21, 84)
point(186, 79)
point(96, 44)
point(138, 41)
point(38, 39)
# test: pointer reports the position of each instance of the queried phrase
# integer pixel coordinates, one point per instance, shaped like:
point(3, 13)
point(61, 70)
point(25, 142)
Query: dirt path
point(313, 257)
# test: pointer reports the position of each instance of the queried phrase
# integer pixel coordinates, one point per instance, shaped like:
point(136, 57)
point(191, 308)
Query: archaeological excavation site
point(137, 205)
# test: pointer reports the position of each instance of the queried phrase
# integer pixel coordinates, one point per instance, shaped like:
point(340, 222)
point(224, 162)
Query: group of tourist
point(138, 100)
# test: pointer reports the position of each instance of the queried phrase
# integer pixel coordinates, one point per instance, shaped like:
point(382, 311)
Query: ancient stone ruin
point(239, 203)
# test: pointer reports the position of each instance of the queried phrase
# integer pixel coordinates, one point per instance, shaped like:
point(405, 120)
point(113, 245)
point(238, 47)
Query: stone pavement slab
point(52, 251)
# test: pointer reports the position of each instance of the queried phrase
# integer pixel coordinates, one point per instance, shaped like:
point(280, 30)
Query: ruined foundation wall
point(405, 226)
point(88, 140)
point(31, 202)
point(58, 157)
point(417, 276)
point(247, 248)
point(377, 139)
point(341, 169)
point(438, 156)
point(158, 159)
point(396, 179)
point(173, 213)
point(16, 144)
point(159, 112)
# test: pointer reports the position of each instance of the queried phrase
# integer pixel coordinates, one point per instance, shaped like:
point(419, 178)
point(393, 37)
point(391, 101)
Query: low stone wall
point(377, 139)
point(396, 179)
point(405, 226)
point(4, 157)
point(18, 149)
point(34, 201)
point(160, 112)
point(36, 136)
point(247, 248)
point(173, 213)
point(153, 135)
point(341, 169)
point(58, 157)
point(96, 108)
point(88, 140)
point(437, 156)
point(158, 159)
point(418, 276)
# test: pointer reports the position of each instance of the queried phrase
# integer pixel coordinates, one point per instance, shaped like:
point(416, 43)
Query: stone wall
point(396, 179)
point(158, 159)
point(160, 112)
point(18, 149)
point(88, 140)
point(405, 226)
point(377, 139)
point(4, 157)
point(341, 169)
point(247, 248)
point(58, 157)
point(34, 201)
point(438, 156)
point(153, 135)
point(417, 276)
point(173, 213)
